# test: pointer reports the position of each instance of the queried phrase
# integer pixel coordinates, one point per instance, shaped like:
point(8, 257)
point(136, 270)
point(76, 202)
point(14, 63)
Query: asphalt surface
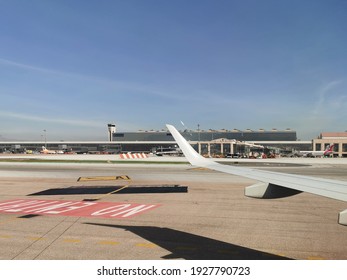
point(213, 220)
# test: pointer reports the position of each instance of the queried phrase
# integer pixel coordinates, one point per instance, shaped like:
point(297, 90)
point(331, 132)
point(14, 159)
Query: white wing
point(273, 184)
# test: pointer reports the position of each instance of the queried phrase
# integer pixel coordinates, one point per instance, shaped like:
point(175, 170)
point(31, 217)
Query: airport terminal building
point(339, 139)
point(207, 142)
point(212, 142)
point(208, 135)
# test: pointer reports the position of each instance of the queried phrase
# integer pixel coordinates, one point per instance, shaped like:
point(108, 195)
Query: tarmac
point(211, 220)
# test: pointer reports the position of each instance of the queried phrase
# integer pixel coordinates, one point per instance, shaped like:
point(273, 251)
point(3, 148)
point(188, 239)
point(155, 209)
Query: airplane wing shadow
point(183, 245)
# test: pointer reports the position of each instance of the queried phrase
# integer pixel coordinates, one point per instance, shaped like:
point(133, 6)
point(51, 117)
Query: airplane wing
point(272, 184)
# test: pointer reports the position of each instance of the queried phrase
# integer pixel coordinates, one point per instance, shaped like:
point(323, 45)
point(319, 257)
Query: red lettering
point(133, 211)
point(110, 210)
point(74, 208)
point(19, 206)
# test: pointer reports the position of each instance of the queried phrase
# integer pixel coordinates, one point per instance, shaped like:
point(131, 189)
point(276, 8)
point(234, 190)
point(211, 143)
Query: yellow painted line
point(104, 195)
point(6, 236)
point(103, 178)
point(315, 258)
point(280, 255)
point(199, 169)
point(146, 245)
point(107, 242)
point(71, 240)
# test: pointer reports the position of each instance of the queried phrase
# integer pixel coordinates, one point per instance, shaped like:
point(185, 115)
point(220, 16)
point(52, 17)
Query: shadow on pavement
point(193, 247)
point(78, 190)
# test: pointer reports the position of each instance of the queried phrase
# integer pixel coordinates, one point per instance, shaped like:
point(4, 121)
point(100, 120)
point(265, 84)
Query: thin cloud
point(26, 66)
point(323, 100)
point(33, 118)
point(120, 85)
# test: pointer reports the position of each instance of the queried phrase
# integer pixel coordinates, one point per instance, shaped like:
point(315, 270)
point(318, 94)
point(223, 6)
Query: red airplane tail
point(329, 149)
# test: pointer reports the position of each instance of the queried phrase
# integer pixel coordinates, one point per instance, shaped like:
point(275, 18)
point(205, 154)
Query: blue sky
point(71, 67)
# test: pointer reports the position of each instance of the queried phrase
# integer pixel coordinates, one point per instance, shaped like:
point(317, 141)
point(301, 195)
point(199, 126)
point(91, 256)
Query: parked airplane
point(272, 184)
point(328, 151)
point(46, 151)
point(168, 152)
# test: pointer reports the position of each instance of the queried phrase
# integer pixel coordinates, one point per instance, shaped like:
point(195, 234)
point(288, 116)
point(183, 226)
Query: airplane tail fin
point(329, 149)
point(192, 156)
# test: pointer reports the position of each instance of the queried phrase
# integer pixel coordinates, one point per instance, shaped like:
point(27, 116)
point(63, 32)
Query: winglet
point(192, 156)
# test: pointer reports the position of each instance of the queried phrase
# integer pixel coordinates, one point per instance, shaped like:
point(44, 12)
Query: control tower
point(111, 129)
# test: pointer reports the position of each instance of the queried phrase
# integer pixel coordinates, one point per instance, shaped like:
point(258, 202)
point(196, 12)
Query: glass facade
point(207, 136)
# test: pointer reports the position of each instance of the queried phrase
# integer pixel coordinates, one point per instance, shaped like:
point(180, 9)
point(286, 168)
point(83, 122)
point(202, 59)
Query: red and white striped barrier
point(132, 156)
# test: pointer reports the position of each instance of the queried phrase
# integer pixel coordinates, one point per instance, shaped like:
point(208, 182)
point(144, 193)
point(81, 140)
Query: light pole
point(199, 146)
point(199, 132)
point(45, 131)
